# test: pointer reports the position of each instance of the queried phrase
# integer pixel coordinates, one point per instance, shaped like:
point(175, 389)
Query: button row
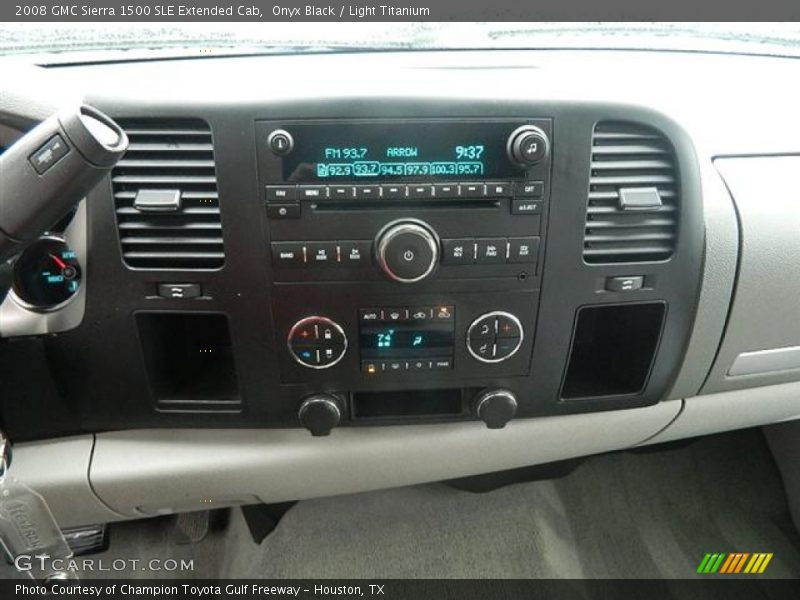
point(498, 189)
point(468, 251)
point(373, 367)
point(318, 355)
point(400, 315)
point(313, 332)
point(344, 254)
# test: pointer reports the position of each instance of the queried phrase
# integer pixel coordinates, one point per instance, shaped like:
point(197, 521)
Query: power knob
point(495, 407)
point(320, 413)
point(528, 145)
point(407, 250)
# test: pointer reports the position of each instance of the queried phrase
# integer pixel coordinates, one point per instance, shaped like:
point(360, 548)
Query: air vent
point(632, 213)
point(165, 193)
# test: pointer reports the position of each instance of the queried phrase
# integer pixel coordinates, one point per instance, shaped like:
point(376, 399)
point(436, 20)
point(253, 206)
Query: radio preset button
point(393, 191)
point(341, 192)
point(287, 254)
point(368, 191)
point(473, 190)
point(523, 250)
point(446, 190)
point(420, 191)
point(458, 251)
point(492, 250)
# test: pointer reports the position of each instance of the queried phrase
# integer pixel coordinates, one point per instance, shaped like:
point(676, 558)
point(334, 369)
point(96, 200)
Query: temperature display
point(411, 151)
point(415, 332)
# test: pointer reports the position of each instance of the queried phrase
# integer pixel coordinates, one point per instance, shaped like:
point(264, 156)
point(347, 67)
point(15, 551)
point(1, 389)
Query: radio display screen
point(400, 151)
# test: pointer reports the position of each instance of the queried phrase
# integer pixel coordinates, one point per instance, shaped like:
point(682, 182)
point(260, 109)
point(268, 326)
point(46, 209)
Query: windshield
point(108, 41)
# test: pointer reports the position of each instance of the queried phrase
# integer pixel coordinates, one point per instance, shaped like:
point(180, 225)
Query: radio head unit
point(329, 152)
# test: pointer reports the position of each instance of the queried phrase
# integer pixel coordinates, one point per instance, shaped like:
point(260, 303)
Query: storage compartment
point(412, 403)
point(613, 348)
point(189, 361)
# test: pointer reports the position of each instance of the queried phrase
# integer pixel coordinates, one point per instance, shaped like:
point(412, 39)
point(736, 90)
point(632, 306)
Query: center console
point(406, 254)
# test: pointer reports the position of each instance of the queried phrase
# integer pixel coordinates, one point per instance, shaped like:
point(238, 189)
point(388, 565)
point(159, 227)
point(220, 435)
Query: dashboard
point(408, 250)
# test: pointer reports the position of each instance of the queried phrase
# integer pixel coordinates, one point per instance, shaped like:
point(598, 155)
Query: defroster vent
point(165, 193)
point(634, 195)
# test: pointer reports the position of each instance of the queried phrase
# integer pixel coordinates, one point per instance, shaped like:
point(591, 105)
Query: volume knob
point(407, 250)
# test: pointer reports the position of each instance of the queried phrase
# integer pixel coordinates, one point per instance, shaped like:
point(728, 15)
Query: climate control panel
point(317, 342)
point(494, 337)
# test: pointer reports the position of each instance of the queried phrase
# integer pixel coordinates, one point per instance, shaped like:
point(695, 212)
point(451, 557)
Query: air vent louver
point(630, 160)
point(173, 156)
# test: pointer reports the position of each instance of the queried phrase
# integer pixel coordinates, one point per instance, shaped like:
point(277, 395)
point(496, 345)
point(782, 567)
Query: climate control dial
point(317, 342)
point(494, 337)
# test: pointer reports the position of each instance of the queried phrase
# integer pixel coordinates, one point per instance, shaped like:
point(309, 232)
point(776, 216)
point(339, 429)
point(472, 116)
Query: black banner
point(400, 10)
point(729, 588)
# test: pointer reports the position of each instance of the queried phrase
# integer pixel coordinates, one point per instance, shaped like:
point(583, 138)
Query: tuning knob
point(320, 413)
point(528, 145)
point(407, 250)
point(495, 407)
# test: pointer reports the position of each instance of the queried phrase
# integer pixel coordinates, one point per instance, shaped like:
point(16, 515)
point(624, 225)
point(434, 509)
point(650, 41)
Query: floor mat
point(622, 515)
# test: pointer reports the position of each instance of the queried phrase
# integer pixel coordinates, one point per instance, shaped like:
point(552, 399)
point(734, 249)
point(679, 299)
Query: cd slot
point(339, 205)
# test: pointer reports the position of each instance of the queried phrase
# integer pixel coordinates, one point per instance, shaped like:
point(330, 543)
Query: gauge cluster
point(47, 289)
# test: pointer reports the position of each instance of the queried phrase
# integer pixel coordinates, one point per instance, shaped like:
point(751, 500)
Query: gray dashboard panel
point(719, 273)
point(58, 469)
point(190, 469)
point(764, 321)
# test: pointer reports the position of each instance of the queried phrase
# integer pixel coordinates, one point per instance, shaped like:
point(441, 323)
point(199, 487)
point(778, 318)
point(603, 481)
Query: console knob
point(528, 145)
point(495, 407)
point(407, 250)
point(494, 337)
point(320, 413)
point(317, 342)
